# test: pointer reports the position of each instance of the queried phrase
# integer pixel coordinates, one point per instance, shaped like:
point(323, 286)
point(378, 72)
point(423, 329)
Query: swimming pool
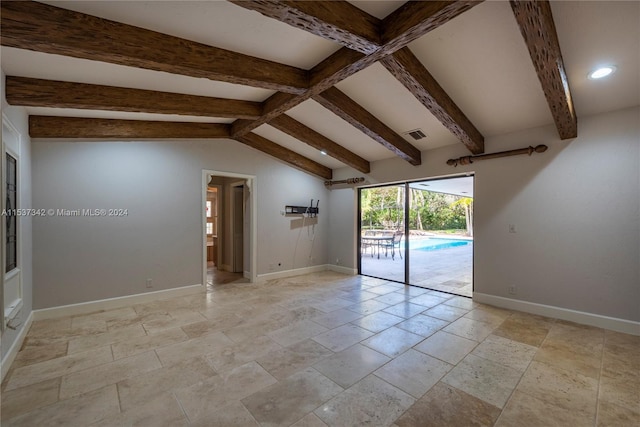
point(435, 243)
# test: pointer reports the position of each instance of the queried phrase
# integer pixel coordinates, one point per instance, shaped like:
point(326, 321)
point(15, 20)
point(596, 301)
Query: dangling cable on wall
point(312, 239)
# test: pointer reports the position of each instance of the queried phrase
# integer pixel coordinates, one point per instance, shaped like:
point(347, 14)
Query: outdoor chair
point(365, 244)
point(392, 243)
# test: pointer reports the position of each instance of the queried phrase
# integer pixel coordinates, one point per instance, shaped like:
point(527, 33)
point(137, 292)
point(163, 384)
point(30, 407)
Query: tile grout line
point(173, 394)
point(521, 377)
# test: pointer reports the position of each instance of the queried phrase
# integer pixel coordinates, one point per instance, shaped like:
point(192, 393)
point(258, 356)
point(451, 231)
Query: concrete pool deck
point(447, 269)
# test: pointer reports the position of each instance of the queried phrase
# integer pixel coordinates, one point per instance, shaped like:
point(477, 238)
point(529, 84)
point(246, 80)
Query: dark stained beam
point(414, 19)
point(414, 76)
point(86, 128)
point(281, 153)
point(344, 107)
point(346, 62)
point(318, 141)
point(338, 21)
point(43, 28)
point(539, 31)
point(337, 67)
point(30, 92)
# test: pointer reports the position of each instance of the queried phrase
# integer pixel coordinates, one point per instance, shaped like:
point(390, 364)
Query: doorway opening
point(229, 228)
point(418, 233)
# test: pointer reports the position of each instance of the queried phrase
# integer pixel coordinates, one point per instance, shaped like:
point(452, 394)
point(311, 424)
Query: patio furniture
point(365, 242)
point(377, 242)
point(392, 243)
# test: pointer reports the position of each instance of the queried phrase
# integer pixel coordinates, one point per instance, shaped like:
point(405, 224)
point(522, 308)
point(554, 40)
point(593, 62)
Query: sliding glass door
point(419, 233)
point(382, 228)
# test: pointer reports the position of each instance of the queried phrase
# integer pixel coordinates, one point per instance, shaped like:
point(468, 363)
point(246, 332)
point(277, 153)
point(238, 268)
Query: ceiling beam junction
point(38, 27)
point(406, 24)
point(338, 21)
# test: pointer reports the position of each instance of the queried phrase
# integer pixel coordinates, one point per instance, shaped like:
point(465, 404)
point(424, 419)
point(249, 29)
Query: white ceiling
point(479, 58)
point(459, 186)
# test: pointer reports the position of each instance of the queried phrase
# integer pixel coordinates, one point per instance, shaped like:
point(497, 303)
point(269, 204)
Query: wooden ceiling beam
point(338, 21)
point(344, 107)
point(346, 62)
point(414, 19)
point(284, 154)
point(28, 92)
point(416, 78)
point(87, 128)
point(49, 29)
point(294, 128)
point(539, 32)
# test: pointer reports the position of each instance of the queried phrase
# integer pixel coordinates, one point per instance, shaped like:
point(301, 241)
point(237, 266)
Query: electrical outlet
point(512, 290)
point(337, 261)
point(149, 283)
point(271, 267)
point(512, 228)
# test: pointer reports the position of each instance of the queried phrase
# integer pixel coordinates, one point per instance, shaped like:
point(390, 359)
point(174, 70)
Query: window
point(212, 211)
point(11, 217)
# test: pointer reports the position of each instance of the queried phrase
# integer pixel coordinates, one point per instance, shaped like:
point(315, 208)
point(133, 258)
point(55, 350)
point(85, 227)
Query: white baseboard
point(290, 273)
point(343, 269)
point(15, 347)
point(111, 303)
point(605, 322)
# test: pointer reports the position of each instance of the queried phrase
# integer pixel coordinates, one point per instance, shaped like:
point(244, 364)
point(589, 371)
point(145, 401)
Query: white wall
point(18, 118)
point(576, 209)
point(79, 259)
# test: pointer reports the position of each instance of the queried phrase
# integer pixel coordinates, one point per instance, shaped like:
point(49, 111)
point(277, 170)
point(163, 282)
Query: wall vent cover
point(416, 134)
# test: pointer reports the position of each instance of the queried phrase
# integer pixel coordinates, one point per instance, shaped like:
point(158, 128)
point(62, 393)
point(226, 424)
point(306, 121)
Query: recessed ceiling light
point(601, 72)
point(324, 153)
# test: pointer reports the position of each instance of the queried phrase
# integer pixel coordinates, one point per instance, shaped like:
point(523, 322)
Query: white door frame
point(13, 278)
point(251, 184)
point(232, 222)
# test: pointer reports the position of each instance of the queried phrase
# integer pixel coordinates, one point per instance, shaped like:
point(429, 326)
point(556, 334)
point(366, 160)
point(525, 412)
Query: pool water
point(435, 243)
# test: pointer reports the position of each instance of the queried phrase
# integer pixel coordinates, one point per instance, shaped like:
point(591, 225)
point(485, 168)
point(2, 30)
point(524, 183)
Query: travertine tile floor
point(316, 350)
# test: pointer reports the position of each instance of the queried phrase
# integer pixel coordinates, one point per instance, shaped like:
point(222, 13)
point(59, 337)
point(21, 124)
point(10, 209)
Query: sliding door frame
point(407, 195)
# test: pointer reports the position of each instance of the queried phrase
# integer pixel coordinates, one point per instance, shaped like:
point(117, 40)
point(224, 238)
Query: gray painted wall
point(576, 209)
point(18, 118)
point(79, 259)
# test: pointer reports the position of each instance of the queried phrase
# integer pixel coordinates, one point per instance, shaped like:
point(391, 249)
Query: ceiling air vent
point(416, 134)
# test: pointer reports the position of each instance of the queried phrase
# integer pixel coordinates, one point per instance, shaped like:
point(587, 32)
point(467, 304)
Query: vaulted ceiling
point(296, 79)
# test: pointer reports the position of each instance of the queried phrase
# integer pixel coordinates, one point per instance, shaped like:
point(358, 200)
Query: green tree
point(467, 204)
